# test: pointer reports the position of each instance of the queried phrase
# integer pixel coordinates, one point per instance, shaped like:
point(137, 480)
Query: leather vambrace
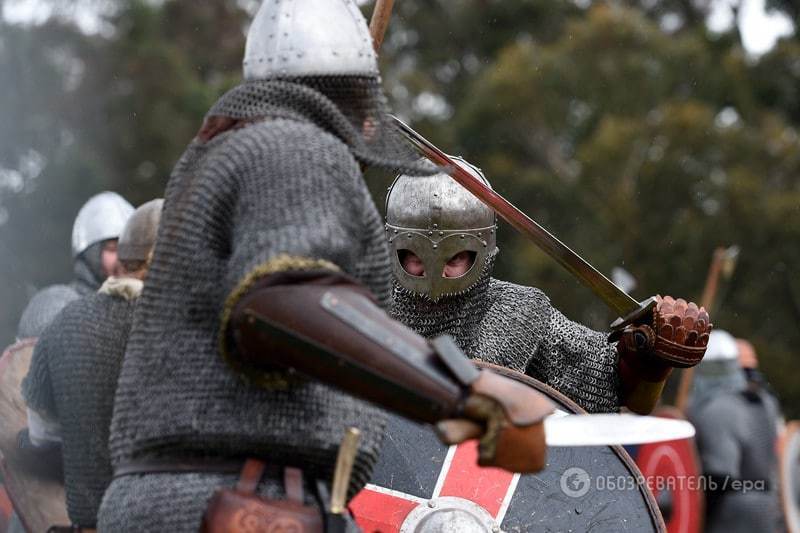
point(324, 325)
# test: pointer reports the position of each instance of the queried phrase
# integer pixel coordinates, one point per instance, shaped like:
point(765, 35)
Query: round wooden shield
point(420, 484)
point(672, 471)
point(789, 451)
point(39, 502)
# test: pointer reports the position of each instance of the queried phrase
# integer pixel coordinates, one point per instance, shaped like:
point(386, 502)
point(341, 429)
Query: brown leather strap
point(293, 483)
point(251, 474)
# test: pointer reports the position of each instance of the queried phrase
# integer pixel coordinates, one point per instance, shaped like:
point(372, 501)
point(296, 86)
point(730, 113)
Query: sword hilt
point(643, 313)
point(344, 468)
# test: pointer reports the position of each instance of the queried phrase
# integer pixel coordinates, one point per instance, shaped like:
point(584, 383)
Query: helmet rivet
point(462, 236)
point(435, 226)
point(441, 233)
point(480, 234)
point(435, 246)
point(430, 233)
point(409, 235)
point(396, 231)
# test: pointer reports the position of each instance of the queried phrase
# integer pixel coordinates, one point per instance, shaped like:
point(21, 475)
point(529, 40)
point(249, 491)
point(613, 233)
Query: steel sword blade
point(562, 429)
point(617, 299)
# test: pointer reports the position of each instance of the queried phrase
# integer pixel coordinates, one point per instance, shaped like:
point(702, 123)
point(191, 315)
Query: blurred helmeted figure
point(94, 248)
point(265, 289)
point(73, 375)
point(443, 246)
point(736, 433)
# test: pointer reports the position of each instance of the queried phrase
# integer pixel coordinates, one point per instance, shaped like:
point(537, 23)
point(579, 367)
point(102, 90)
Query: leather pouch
point(241, 510)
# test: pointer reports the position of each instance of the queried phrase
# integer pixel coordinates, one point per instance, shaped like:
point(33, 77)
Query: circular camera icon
point(575, 482)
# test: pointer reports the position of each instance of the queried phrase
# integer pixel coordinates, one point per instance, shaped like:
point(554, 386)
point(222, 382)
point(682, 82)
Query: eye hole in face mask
point(459, 265)
point(411, 263)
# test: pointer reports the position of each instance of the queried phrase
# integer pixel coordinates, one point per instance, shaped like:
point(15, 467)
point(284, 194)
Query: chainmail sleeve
point(579, 362)
point(37, 386)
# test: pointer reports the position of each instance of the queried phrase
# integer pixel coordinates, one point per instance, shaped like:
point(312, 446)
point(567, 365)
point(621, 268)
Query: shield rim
point(792, 429)
point(619, 451)
point(10, 474)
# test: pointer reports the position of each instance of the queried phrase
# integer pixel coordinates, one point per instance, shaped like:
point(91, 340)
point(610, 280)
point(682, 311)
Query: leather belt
point(172, 466)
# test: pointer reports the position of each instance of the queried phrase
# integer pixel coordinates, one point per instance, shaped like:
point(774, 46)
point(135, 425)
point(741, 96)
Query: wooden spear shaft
point(715, 272)
point(380, 21)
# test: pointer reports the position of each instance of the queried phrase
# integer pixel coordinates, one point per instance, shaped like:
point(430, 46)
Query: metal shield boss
point(435, 218)
point(422, 486)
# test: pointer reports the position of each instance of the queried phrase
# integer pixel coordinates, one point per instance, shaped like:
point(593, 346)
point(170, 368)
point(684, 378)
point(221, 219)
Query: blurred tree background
point(638, 136)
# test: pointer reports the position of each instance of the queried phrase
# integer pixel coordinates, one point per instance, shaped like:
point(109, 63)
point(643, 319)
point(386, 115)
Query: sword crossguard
point(643, 314)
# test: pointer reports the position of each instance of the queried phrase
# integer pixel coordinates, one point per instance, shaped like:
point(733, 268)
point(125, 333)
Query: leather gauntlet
point(675, 338)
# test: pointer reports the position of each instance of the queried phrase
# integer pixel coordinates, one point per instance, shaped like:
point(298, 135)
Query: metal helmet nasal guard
point(290, 38)
point(435, 218)
point(101, 218)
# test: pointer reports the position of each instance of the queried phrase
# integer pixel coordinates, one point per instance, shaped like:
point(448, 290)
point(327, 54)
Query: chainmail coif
point(287, 182)
point(517, 327)
point(72, 379)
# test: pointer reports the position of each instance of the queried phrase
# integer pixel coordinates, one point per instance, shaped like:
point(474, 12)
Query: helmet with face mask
point(435, 218)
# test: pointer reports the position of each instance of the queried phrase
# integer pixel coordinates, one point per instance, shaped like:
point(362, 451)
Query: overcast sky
point(759, 29)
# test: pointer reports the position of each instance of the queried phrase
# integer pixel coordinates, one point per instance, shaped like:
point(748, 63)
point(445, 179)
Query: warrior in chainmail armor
point(265, 293)
point(73, 374)
point(443, 246)
point(94, 252)
point(736, 434)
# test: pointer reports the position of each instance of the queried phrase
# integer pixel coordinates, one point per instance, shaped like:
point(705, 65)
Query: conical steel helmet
point(139, 235)
point(290, 38)
point(101, 218)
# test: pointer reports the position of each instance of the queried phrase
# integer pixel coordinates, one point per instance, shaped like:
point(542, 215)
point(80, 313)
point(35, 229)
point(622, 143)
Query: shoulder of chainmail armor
point(236, 151)
point(36, 386)
point(505, 291)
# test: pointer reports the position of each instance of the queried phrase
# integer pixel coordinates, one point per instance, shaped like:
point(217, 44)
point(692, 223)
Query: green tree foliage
point(644, 149)
point(627, 129)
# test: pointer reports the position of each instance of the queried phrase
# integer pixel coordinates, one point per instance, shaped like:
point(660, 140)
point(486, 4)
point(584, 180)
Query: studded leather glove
point(676, 336)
